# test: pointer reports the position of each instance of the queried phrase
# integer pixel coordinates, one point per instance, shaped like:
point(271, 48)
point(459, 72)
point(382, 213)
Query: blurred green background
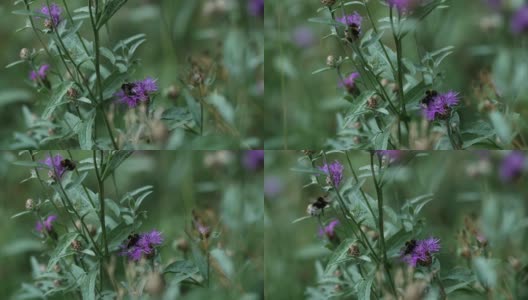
point(460, 181)
point(210, 32)
point(304, 106)
point(215, 184)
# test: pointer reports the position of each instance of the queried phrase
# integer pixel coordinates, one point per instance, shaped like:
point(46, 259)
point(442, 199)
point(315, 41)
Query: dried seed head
point(155, 284)
point(515, 263)
point(57, 268)
point(182, 244)
point(415, 290)
point(173, 92)
point(48, 24)
point(328, 2)
point(331, 61)
point(24, 53)
point(57, 283)
point(372, 102)
point(354, 250)
point(72, 93)
point(76, 245)
point(30, 204)
point(356, 139)
point(465, 252)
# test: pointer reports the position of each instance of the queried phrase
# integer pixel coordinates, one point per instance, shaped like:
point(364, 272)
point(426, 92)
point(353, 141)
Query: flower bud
point(76, 245)
point(331, 61)
point(24, 53)
point(182, 244)
point(30, 204)
point(155, 284)
point(72, 93)
point(372, 102)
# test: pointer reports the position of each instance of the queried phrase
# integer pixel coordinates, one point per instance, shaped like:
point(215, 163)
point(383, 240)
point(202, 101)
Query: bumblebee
point(68, 164)
point(128, 88)
point(317, 207)
point(409, 247)
point(429, 96)
point(132, 240)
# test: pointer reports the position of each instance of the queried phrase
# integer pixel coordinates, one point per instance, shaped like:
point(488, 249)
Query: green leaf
point(62, 249)
point(14, 96)
point(85, 132)
point(56, 99)
point(182, 269)
point(117, 158)
point(340, 254)
point(486, 271)
point(109, 10)
point(223, 106)
point(87, 284)
point(364, 287)
point(502, 127)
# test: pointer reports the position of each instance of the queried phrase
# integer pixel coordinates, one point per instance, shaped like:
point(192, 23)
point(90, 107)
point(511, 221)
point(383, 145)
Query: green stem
point(379, 193)
point(100, 184)
point(93, 20)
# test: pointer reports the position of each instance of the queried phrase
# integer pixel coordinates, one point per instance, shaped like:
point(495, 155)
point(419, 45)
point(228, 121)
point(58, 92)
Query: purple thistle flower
point(139, 91)
point(349, 82)
point(253, 160)
point(512, 166)
point(519, 22)
point(329, 230)
point(47, 224)
point(354, 19)
point(303, 37)
point(40, 74)
point(256, 8)
point(272, 186)
point(391, 155)
point(53, 12)
point(55, 164)
point(421, 253)
point(440, 106)
point(145, 245)
point(334, 172)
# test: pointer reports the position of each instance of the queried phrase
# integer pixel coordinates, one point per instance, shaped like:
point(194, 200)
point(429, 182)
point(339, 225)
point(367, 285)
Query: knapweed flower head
point(519, 22)
point(136, 92)
point(256, 8)
point(40, 74)
point(334, 172)
point(353, 23)
point(56, 166)
point(144, 244)
point(253, 160)
point(354, 19)
point(349, 82)
point(272, 186)
point(47, 224)
point(303, 37)
point(512, 166)
point(391, 155)
point(420, 252)
point(329, 230)
point(439, 107)
point(53, 12)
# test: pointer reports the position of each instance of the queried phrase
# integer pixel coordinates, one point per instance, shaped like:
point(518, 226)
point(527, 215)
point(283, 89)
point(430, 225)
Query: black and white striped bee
point(317, 207)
